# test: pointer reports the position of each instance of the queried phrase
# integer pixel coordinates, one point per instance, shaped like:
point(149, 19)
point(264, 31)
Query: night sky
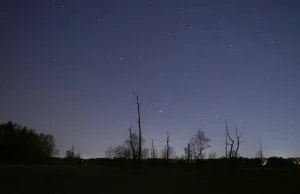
point(68, 68)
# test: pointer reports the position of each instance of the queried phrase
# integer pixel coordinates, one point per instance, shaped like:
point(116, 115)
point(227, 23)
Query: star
point(238, 49)
point(169, 33)
point(220, 22)
point(160, 111)
point(216, 117)
point(121, 58)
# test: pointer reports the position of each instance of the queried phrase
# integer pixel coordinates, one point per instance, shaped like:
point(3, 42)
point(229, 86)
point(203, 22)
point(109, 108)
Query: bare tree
point(109, 152)
point(232, 153)
point(139, 126)
point(71, 154)
point(231, 144)
point(168, 151)
point(212, 155)
point(168, 154)
point(198, 143)
point(133, 143)
point(121, 151)
point(238, 139)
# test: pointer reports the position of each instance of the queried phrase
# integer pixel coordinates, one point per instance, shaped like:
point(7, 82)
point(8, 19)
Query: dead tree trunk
point(138, 103)
point(189, 153)
point(168, 147)
point(238, 138)
point(152, 151)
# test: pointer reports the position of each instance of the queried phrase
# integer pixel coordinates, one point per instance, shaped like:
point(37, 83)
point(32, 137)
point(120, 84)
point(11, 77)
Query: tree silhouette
point(153, 151)
point(138, 103)
point(21, 144)
point(231, 144)
point(187, 152)
point(71, 154)
point(121, 152)
point(168, 151)
point(232, 153)
point(133, 142)
point(238, 140)
point(198, 143)
point(109, 152)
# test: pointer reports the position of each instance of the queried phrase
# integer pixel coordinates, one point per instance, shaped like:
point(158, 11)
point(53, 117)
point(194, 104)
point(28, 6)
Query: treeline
point(220, 163)
point(133, 151)
point(20, 144)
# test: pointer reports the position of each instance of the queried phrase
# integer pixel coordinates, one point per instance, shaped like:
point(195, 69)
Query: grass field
point(96, 179)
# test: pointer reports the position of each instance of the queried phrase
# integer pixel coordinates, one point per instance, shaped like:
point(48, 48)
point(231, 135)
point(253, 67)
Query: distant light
point(160, 111)
point(121, 58)
point(216, 117)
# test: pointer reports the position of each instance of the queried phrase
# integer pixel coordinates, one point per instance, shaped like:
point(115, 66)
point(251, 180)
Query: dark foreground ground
point(95, 179)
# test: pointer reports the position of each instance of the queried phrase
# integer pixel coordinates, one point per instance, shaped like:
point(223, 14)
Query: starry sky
point(68, 68)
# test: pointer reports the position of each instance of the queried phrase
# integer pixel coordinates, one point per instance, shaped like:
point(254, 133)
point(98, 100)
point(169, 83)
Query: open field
point(95, 179)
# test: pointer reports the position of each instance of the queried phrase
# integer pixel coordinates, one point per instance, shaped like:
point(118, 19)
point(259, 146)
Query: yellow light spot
point(264, 161)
